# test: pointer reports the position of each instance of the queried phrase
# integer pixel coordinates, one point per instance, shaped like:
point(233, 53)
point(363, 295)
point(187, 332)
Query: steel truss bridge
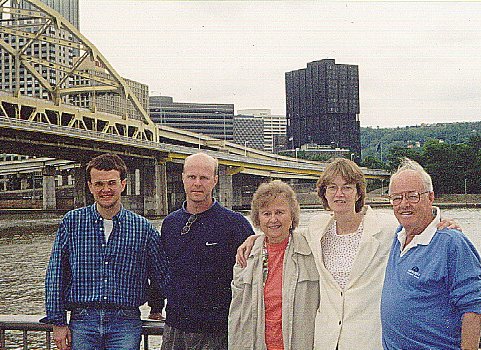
point(49, 126)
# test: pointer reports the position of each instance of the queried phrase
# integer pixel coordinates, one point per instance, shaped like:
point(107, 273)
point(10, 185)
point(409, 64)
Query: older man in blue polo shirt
point(432, 289)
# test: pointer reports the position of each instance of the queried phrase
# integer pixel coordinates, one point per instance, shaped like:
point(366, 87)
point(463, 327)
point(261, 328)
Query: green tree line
point(377, 140)
point(455, 168)
point(450, 152)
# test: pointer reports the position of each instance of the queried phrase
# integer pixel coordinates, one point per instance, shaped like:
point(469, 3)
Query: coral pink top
point(273, 295)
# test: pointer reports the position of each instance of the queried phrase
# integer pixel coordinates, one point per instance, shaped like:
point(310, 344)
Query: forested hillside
point(450, 153)
point(373, 140)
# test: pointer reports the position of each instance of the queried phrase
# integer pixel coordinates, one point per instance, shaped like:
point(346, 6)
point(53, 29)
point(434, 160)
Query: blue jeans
point(104, 329)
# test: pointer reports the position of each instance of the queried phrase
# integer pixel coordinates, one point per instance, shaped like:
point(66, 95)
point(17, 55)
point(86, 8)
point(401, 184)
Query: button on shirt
point(85, 269)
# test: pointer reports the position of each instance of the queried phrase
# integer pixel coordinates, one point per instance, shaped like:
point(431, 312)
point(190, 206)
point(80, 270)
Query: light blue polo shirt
point(428, 286)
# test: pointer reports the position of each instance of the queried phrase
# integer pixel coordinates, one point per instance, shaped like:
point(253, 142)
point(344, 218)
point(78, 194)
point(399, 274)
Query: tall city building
point(67, 8)
point(107, 102)
point(44, 51)
point(274, 126)
point(249, 131)
point(211, 119)
point(322, 105)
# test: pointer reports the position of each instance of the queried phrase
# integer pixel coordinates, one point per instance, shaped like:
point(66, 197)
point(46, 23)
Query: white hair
point(409, 164)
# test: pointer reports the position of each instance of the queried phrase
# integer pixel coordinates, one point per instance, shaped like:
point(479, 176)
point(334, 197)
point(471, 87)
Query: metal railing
point(29, 324)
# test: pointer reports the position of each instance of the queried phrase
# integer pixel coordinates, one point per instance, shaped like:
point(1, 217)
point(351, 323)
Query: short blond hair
point(208, 158)
point(267, 192)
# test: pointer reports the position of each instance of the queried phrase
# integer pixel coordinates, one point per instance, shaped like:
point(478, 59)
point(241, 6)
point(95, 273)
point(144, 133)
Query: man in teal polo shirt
point(432, 289)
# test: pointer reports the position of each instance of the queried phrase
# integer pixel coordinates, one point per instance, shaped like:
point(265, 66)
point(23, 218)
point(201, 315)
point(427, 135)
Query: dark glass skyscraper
point(322, 105)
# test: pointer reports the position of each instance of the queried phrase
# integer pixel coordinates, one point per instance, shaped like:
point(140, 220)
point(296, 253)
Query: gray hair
point(409, 164)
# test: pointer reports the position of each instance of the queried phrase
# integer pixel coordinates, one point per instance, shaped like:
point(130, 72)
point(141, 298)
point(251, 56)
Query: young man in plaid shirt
point(102, 260)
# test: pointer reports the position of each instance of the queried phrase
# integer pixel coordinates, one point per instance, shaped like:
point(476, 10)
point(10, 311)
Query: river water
point(25, 248)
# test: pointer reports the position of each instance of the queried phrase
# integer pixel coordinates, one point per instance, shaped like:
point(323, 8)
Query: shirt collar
point(184, 207)
point(117, 217)
point(424, 238)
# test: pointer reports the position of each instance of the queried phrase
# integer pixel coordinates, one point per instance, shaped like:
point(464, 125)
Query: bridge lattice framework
point(38, 126)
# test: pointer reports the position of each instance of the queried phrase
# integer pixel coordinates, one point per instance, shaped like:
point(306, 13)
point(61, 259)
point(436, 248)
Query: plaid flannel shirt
point(84, 269)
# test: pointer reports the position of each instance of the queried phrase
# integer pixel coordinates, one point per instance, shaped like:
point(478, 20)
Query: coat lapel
point(368, 246)
point(317, 228)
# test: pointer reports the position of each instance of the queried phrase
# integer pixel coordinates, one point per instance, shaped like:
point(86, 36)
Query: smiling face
point(414, 217)
point(342, 172)
point(341, 196)
point(106, 187)
point(275, 219)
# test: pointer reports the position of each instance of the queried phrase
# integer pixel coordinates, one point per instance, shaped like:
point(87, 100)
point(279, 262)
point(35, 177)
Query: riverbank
point(17, 222)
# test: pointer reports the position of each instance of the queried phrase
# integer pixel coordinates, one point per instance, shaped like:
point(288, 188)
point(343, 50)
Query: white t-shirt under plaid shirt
point(339, 251)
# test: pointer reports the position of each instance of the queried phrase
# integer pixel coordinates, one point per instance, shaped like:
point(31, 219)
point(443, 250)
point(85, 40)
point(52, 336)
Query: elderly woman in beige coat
point(278, 291)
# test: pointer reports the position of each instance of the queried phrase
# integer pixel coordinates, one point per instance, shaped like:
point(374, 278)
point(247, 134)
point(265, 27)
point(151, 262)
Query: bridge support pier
point(225, 192)
point(154, 188)
point(3, 182)
point(24, 181)
point(244, 188)
point(175, 186)
point(237, 195)
point(80, 187)
point(49, 198)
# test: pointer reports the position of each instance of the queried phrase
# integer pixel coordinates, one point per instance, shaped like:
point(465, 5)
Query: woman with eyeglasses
point(351, 246)
point(275, 298)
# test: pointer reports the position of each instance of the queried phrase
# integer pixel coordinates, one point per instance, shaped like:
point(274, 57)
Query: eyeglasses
point(411, 197)
point(345, 189)
point(188, 224)
point(99, 185)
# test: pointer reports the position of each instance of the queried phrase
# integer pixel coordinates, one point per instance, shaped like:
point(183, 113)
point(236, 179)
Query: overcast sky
point(419, 62)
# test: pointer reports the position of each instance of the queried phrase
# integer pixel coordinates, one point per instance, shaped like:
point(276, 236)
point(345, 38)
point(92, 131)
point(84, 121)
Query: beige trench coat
point(350, 318)
point(300, 299)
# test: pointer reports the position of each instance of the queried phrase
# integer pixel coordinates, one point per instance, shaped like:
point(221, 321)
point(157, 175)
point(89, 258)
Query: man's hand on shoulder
point(244, 250)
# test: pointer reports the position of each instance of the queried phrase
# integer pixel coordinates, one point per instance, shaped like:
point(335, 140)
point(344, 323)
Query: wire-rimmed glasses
point(188, 224)
point(410, 196)
point(345, 189)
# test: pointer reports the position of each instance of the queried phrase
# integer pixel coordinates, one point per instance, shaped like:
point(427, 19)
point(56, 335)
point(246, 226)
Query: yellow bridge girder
point(41, 26)
point(274, 169)
point(21, 30)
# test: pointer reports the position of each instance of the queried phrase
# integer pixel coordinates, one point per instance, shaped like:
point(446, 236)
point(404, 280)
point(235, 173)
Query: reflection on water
point(23, 260)
point(25, 248)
